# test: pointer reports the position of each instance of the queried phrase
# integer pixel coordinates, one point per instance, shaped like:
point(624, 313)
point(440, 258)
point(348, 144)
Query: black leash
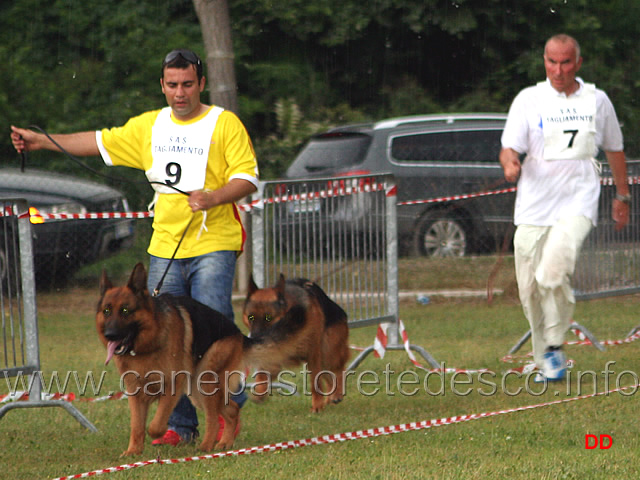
point(156, 291)
point(23, 162)
point(93, 170)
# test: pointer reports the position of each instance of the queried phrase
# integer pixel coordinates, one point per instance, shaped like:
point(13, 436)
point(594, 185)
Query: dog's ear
point(105, 283)
point(252, 287)
point(138, 279)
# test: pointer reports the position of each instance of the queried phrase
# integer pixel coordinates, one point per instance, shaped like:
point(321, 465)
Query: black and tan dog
point(313, 327)
point(165, 346)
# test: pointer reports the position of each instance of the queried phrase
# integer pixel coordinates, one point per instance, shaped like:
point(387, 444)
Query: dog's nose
point(112, 334)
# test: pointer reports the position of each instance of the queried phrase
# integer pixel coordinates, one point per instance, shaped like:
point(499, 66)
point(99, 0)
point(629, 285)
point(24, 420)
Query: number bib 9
point(569, 125)
point(180, 152)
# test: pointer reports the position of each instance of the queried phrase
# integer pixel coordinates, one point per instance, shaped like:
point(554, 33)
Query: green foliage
point(292, 130)
point(398, 57)
point(86, 64)
point(74, 65)
point(407, 98)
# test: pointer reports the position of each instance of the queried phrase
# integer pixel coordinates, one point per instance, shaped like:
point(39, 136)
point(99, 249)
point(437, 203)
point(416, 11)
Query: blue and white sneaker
point(554, 368)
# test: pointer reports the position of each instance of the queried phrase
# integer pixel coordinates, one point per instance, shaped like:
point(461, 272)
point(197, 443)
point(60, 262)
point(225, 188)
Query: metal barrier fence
point(20, 355)
point(609, 262)
point(340, 233)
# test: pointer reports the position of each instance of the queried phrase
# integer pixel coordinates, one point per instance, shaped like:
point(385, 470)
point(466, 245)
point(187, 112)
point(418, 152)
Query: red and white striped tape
point(381, 341)
point(465, 196)
point(380, 347)
point(529, 365)
point(584, 341)
point(93, 215)
point(342, 437)
point(20, 396)
point(337, 188)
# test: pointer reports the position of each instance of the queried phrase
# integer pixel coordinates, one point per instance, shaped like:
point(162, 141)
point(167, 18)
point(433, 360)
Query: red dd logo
point(592, 442)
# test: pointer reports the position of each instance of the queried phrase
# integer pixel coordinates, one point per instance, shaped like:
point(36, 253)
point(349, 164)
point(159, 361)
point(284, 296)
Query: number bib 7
point(569, 125)
point(180, 152)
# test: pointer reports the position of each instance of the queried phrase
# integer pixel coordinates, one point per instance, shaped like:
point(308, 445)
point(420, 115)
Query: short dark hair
point(182, 58)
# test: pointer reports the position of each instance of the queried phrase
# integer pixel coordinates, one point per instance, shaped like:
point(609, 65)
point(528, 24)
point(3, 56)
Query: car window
point(477, 146)
point(330, 152)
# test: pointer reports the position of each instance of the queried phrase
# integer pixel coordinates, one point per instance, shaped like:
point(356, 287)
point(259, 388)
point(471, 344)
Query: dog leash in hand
point(92, 170)
point(156, 291)
point(23, 162)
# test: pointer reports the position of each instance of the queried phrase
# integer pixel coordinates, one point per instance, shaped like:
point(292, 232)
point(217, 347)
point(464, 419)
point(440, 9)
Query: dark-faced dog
point(165, 346)
point(315, 331)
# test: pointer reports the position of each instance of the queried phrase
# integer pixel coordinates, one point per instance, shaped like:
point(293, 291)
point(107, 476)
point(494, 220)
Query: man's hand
point(620, 213)
point(83, 144)
point(510, 161)
point(232, 192)
point(23, 140)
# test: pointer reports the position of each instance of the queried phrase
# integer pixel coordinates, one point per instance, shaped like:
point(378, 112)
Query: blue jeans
point(209, 280)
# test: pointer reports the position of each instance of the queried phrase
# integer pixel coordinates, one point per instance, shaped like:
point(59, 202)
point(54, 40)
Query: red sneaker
point(221, 429)
point(170, 437)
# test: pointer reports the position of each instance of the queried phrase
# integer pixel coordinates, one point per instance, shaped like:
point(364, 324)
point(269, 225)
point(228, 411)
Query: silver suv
point(435, 160)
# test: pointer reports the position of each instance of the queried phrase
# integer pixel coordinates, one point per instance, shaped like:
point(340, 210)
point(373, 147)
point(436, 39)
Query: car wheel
point(440, 235)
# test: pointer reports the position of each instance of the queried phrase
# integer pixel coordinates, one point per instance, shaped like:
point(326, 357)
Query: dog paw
point(257, 398)
point(206, 446)
point(130, 452)
point(224, 445)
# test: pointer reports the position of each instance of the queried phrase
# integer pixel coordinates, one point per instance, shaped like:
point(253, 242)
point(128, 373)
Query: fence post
point(26, 343)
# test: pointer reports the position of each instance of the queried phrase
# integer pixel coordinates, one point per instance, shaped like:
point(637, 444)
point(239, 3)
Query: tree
point(216, 34)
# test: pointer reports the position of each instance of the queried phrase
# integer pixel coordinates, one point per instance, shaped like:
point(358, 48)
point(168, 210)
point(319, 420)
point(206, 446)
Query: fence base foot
point(574, 326)
point(74, 412)
point(634, 331)
point(520, 342)
point(421, 351)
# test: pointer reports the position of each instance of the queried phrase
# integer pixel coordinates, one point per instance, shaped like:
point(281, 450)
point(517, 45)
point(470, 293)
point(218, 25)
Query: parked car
point(434, 158)
point(62, 246)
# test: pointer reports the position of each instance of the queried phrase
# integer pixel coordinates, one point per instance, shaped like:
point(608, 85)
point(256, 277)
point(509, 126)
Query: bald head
point(562, 61)
point(565, 40)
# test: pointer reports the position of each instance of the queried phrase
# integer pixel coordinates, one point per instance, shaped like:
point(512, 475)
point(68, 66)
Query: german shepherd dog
point(165, 346)
point(315, 329)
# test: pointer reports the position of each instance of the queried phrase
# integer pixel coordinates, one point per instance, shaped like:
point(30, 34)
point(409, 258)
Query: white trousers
point(545, 259)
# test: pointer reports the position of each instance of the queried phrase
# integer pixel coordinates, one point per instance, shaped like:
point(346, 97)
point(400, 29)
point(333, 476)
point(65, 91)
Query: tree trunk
point(215, 24)
point(216, 34)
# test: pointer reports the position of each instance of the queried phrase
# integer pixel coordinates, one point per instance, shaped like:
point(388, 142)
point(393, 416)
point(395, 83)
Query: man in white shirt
point(559, 124)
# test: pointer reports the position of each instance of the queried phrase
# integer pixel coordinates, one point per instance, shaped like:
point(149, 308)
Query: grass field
point(546, 442)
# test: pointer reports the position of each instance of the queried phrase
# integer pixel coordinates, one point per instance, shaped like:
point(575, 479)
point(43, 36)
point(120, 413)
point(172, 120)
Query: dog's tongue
point(111, 348)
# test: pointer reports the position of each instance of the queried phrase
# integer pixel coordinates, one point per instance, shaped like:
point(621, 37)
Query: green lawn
point(546, 442)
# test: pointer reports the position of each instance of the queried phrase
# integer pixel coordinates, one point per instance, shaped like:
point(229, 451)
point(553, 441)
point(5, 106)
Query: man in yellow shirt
point(200, 161)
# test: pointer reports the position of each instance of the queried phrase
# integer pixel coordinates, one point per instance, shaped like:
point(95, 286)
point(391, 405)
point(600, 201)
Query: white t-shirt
point(557, 182)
